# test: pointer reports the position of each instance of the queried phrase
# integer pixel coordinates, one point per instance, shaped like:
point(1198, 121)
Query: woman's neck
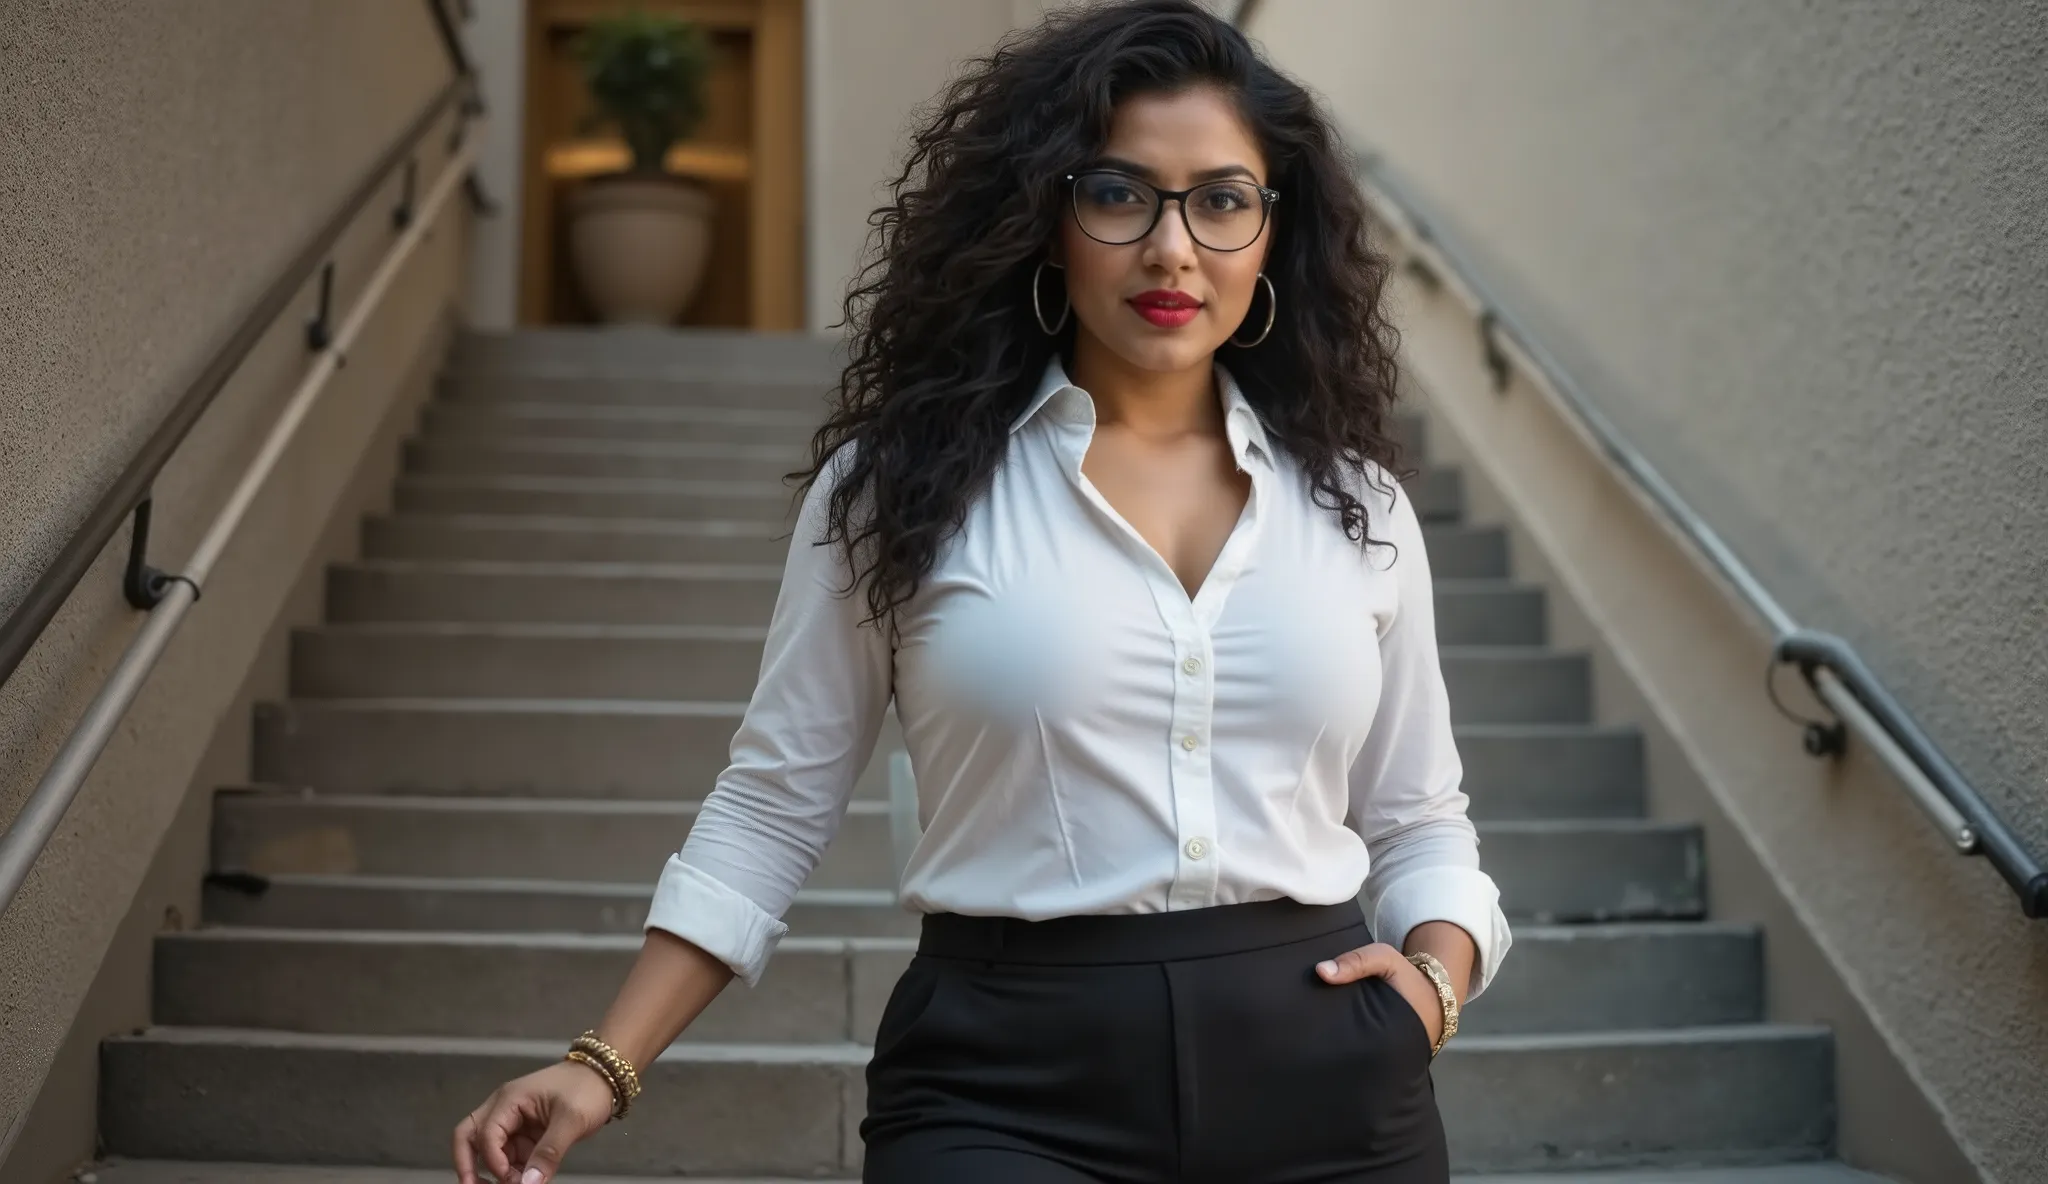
point(1152, 404)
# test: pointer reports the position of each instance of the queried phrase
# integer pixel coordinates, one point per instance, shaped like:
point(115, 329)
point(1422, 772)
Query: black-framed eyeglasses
point(1116, 208)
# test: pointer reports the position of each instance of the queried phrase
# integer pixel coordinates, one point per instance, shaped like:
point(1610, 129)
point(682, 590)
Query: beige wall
point(163, 163)
point(495, 36)
point(867, 64)
point(1795, 251)
point(1934, 988)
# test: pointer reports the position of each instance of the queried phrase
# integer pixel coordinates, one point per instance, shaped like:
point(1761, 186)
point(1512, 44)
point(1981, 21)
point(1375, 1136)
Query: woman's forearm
point(670, 984)
point(1452, 946)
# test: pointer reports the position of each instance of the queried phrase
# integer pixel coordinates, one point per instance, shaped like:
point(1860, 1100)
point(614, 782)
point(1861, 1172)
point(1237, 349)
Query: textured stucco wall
point(162, 163)
point(1795, 250)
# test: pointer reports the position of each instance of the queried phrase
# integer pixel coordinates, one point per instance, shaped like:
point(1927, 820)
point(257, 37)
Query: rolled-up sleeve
point(1407, 801)
point(804, 739)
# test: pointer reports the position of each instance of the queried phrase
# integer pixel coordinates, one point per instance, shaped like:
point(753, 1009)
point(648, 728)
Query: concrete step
point(1547, 871)
point(340, 982)
point(667, 750)
point(788, 389)
point(1489, 612)
point(584, 420)
point(1455, 552)
point(1477, 612)
point(1633, 1098)
point(1817, 1172)
point(226, 1094)
point(560, 661)
point(1517, 685)
point(530, 539)
point(527, 906)
point(494, 420)
point(584, 593)
point(1540, 801)
point(821, 988)
point(644, 350)
point(686, 461)
point(1591, 870)
point(1438, 494)
point(1732, 1094)
point(565, 661)
point(279, 832)
point(138, 1171)
point(586, 497)
point(168, 1172)
point(522, 747)
point(675, 749)
point(272, 831)
point(1458, 552)
point(1634, 974)
point(1547, 771)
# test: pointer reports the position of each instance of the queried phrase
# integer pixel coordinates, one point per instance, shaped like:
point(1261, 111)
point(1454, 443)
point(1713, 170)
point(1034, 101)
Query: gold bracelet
point(619, 1068)
point(1445, 996)
point(620, 1103)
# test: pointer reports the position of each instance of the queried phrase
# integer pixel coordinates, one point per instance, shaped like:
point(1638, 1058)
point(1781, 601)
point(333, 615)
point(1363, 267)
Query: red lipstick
point(1166, 308)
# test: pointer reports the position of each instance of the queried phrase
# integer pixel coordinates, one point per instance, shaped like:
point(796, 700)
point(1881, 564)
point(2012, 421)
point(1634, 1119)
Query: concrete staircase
point(526, 684)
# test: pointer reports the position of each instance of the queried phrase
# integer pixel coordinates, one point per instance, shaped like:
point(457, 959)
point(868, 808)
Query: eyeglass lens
point(1221, 215)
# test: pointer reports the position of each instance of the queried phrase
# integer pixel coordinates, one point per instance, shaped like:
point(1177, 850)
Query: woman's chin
point(1164, 353)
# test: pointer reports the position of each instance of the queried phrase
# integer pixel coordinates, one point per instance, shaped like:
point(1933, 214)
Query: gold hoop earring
point(1272, 307)
point(1038, 311)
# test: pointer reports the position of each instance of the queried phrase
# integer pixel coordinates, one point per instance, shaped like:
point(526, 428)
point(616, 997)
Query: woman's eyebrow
point(1138, 170)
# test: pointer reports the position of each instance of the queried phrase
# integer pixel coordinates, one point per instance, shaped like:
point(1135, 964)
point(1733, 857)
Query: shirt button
point(1190, 742)
point(1192, 665)
point(1197, 849)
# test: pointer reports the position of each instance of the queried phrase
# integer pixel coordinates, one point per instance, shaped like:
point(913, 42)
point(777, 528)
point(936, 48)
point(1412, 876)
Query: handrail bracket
point(143, 585)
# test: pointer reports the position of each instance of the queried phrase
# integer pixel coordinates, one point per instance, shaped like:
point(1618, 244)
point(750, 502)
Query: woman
point(1107, 506)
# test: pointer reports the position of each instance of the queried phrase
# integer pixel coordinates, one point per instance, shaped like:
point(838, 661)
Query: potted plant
point(638, 239)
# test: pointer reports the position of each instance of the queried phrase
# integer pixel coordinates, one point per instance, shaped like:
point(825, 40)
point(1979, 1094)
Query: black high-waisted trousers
point(1192, 1047)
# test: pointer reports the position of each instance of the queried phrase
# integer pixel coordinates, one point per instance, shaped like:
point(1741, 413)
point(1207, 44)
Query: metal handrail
point(1831, 666)
point(458, 54)
point(473, 96)
point(168, 596)
point(130, 491)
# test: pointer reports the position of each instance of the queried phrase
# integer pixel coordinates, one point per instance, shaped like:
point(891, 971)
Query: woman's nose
point(1170, 243)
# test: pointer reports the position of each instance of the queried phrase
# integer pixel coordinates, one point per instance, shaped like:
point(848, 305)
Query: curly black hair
point(944, 349)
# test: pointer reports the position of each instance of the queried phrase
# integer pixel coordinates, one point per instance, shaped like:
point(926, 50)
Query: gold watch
point(1448, 998)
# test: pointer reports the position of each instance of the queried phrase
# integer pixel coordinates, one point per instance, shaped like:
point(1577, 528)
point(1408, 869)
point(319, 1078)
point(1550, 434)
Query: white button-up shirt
point(1087, 737)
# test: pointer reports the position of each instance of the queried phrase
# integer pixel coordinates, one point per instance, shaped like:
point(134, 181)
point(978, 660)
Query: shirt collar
point(1241, 422)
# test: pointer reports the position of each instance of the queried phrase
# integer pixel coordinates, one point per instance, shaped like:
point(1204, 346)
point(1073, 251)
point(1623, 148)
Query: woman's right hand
point(522, 1131)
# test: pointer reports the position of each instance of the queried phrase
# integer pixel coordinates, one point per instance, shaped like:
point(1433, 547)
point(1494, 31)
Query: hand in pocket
point(1380, 960)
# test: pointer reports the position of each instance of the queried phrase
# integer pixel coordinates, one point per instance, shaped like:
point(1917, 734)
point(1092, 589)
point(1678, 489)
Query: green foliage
point(646, 76)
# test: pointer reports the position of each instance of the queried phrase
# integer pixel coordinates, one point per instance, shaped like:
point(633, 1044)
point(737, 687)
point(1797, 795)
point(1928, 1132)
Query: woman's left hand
point(1384, 961)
